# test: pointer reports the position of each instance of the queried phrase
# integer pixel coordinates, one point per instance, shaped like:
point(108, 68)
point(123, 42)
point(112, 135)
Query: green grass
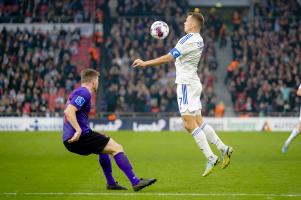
point(39, 163)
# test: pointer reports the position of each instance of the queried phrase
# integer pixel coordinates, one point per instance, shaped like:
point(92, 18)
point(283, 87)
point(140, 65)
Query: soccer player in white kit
point(296, 131)
point(187, 53)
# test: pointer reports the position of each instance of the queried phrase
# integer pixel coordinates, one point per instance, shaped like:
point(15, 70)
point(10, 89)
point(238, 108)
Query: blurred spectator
point(223, 36)
point(230, 69)
point(236, 20)
point(219, 109)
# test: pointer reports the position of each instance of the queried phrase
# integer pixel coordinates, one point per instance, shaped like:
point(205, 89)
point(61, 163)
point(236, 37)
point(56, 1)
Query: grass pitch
point(37, 166)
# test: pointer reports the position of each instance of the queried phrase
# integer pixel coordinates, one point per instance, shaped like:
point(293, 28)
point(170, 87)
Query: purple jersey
point(81, 99)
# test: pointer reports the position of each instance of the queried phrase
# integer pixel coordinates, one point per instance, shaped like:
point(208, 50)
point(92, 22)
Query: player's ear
point(194, 25)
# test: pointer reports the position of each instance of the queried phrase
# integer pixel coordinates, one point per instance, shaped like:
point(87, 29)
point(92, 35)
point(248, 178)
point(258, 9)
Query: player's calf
point(124, 164)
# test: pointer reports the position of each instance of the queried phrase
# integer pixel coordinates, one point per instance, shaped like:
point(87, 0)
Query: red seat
point(51, 102)
point(61, 92)
point(45, 95)
point(40, 82)
point(26, 108)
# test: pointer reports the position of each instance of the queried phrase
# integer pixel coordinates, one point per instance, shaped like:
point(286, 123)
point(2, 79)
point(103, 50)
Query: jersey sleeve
point(181, 47)
point(299, 87)
point(79, 100)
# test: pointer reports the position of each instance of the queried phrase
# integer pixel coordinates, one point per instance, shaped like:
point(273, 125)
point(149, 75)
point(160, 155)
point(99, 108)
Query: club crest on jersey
point(80, 100)
point(200, 45)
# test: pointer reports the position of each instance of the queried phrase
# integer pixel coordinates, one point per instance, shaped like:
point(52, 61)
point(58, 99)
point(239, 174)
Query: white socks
point(212, 136)
point(292, 136)
point(201, 140)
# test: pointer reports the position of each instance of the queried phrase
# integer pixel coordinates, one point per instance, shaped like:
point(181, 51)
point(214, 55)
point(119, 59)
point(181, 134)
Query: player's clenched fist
point(76, 136)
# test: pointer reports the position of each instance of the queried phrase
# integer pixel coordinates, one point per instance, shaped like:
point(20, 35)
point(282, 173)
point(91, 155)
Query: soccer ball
point(159, 30)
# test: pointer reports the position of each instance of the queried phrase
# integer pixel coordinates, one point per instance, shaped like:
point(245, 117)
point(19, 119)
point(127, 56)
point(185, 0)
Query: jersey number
point(180, 98)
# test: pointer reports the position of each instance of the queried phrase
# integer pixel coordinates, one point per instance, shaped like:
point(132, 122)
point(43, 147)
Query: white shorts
point(189, 98)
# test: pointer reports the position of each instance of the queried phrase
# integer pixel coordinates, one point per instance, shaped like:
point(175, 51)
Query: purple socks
point(124, 164)
point(105, 163)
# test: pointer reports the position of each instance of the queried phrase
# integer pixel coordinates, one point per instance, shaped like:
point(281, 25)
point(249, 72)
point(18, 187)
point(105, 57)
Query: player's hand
point(138, 63)
point(76, 136)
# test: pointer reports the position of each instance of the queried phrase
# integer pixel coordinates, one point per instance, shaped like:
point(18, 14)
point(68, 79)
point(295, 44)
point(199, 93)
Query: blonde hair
point(198, 17)
point(87, 75)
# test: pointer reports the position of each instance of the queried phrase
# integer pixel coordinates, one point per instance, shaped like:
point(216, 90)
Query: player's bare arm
point(299, 92)
point(158, 61)
point(71, 117)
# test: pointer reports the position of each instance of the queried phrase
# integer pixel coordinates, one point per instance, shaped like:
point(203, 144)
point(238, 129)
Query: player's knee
point(199, 121)
point(189, 127)
point(190, 123)
point(199, 118)
point(117, 148)
point(113, 147)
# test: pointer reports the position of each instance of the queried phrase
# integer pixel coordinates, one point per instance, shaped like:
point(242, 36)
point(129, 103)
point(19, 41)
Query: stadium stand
point(38, 70)
point(51, 11)
point(266, 51)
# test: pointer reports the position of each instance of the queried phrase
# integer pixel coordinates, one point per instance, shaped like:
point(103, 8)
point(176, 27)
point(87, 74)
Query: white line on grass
point(9, 193)
point(146, 194)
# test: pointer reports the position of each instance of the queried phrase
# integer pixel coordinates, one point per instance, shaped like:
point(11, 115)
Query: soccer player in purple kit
point(80, 139)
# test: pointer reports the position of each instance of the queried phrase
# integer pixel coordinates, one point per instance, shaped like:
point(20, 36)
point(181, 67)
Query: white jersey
point(188, 53)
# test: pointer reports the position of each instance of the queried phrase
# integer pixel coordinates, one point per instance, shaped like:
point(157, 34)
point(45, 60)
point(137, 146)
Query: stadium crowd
point(51, 11)
point(268, 56)
point(36, 70)
point(152, 89)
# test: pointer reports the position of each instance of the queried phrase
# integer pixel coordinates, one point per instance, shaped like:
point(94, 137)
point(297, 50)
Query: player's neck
point(88, 87)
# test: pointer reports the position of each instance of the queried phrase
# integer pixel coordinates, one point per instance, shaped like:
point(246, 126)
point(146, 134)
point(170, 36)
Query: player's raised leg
point(295, 132)
point(199, 136)
point(105, 163)
point(212, 137)
point(124, 164)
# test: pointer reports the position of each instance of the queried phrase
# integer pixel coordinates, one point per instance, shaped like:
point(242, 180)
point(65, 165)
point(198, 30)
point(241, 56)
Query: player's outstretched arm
point(71, 117)
point(158, 61)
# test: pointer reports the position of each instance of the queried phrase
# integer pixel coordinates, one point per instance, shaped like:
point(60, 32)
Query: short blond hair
point(87, 75)
point(198, 17)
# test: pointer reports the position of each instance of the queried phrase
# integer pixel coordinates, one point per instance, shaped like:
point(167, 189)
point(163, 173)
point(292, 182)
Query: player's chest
point(87, 107)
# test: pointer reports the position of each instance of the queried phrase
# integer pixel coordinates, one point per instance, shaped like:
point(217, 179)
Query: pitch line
point(143, 194)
